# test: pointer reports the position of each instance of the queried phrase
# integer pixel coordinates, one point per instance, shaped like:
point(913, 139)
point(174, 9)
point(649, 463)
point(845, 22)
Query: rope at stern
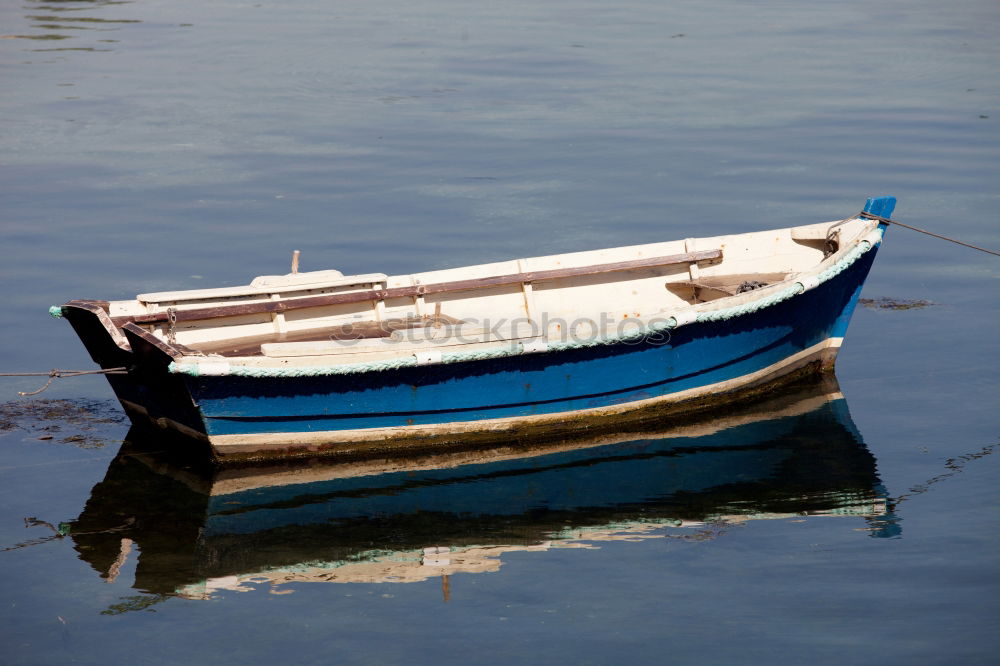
point(55, 374)
point(885, 220)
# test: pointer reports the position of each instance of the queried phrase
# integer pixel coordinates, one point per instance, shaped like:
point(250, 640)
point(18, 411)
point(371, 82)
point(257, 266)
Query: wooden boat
point(320, 362)
point(401, 519)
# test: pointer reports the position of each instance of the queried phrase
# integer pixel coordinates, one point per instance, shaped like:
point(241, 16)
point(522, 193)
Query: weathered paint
point(708, 359)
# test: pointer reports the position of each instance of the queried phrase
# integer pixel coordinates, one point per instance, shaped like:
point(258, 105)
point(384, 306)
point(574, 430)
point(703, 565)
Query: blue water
point(154, 145)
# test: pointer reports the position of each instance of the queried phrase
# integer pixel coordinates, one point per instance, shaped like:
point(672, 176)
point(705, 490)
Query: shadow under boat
point(403, 520)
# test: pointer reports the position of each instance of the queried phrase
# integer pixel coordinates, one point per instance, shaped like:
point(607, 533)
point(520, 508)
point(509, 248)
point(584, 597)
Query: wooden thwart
point(360, 330)
point(285, 305)
point(710, 288)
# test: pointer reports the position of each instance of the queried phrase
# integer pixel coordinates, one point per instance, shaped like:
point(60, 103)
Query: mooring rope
point(56, 374)
point(870, 216)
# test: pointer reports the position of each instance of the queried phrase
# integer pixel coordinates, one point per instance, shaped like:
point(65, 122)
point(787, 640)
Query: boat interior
point(305, 315)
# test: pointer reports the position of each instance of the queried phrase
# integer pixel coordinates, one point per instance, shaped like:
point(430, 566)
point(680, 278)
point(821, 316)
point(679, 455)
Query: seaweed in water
point(139, 602)
point(82, 423)
point(894, 303)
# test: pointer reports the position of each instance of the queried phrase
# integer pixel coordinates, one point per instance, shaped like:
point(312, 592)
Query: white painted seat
point(403, 341)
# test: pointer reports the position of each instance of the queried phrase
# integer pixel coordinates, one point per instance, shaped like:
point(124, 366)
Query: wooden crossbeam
point(411, 291)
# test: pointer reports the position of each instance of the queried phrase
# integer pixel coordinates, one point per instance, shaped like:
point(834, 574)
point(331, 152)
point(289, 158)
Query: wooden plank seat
point(251, 346)
point(707, 288)
point(403, 340)
point(267, 285)
point(411, 291)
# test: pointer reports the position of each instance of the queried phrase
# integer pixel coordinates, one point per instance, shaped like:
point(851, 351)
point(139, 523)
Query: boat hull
point(690, 369)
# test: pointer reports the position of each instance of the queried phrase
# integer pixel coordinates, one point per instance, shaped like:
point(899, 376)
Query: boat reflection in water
point(412, 519)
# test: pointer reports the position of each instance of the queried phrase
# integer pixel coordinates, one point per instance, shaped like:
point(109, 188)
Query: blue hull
point(566, 382)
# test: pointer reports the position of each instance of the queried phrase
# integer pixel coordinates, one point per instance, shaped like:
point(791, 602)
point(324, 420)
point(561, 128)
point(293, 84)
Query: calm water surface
point(153, 145)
